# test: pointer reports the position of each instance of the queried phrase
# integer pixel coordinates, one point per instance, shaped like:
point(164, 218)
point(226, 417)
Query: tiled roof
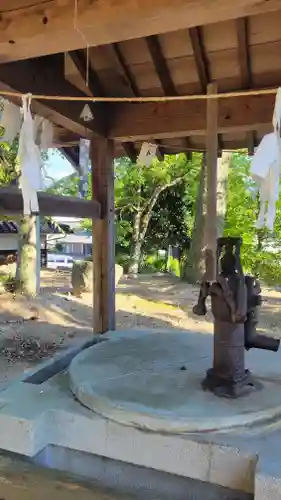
point(46, 227)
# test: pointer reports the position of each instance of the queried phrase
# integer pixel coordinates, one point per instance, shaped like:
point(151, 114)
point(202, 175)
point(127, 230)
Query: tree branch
point(158, 190)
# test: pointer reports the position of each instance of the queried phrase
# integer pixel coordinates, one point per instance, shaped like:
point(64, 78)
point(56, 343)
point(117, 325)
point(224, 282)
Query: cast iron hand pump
point(235, 299)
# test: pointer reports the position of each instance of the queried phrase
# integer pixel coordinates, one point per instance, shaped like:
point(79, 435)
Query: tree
point(193, 265)
point(67, 186)
point(137, 190)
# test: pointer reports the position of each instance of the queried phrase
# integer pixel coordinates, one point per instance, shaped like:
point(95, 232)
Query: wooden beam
point(243, 52)
point(200, 57)
point(33, 30)
point(212, 160)
point(160, 65)
point(46, 76)
point(139, 122)
point(103, 236)
point(123, 68)
point(78, 77)
point(251, 142)
point(201, 63)
point(72, 155)
point(245, 67)
point(130, 151)
point(79, 61)
point(159, 151)
point(187, 145)
point(51, 205)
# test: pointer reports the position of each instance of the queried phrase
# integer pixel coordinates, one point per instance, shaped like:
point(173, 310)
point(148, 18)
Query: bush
point(154, 263)
point(174, 266)
point(123, 260)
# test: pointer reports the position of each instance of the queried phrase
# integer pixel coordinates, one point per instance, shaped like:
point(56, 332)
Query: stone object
point(82, 276)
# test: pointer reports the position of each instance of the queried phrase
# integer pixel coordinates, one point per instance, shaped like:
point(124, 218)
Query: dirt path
point(30, 331)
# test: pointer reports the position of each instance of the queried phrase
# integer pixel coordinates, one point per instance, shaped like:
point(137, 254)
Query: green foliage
point(173, 214)
point(261, 250)
point(9, 167)
point(174, 266)
point(154, 263)
point(134, 187)
point(67, 186)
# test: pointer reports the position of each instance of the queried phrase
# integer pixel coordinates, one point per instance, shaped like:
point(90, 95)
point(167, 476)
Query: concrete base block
point(45, 423)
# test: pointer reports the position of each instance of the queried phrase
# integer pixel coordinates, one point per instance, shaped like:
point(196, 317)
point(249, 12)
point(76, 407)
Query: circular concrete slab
point(153, 381)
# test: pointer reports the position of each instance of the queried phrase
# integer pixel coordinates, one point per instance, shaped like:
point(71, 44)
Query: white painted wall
point(8, 242)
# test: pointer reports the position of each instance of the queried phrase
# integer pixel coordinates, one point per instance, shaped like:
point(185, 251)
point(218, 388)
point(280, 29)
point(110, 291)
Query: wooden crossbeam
point(44, 28)
point(51, 205)
point(134, 122)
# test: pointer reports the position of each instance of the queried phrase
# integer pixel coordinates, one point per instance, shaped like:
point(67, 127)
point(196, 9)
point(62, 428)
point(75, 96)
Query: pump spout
point(253, 340)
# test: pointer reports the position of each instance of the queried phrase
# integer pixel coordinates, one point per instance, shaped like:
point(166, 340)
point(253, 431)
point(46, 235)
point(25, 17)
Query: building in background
point(50, 232)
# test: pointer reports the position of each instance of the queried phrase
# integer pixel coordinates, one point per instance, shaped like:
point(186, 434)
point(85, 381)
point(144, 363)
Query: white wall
point(8, 242)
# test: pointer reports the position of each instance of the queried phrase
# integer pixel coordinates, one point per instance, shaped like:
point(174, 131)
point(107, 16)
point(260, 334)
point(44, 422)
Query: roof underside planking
point(181, 47)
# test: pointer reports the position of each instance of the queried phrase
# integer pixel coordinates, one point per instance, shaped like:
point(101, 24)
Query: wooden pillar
point(212, 154)
point(102, 158)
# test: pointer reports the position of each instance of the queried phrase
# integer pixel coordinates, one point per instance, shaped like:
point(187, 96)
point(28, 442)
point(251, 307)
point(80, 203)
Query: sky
point(58, 166)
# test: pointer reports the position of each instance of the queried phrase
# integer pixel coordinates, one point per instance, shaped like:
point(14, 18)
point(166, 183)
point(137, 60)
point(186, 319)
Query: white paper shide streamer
point(10, 121)
point(84, 156)
point(30, 161)
point(265, 169)
point(147, 154)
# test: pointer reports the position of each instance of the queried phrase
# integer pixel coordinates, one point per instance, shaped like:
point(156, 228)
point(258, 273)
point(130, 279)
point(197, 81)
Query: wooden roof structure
point(137, 49)
point(148, 49)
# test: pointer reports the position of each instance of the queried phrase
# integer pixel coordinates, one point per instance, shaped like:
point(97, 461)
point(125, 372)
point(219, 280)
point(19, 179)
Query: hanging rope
point(196, 97)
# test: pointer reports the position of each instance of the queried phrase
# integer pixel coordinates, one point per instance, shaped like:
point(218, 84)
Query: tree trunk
point(141, 222)
point(222, 186)
point(193, 268)
point(135, 259)
point(26, 267)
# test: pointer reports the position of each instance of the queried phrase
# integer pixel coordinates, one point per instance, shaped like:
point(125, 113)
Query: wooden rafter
point(94, 87)
point(200, 57)
point(130, 151)
point(160, 65)
point(201, 63)
point(243, 52)
point(163, 73)
point(245, 67)
point(159, 151)
point(145, 121)
point(39, 29)
point(122, 67)
point(251, 142)
point(188, 146)
point(124, 70)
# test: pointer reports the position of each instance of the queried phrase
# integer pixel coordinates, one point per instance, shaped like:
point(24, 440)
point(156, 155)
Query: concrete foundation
point(40, 419)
